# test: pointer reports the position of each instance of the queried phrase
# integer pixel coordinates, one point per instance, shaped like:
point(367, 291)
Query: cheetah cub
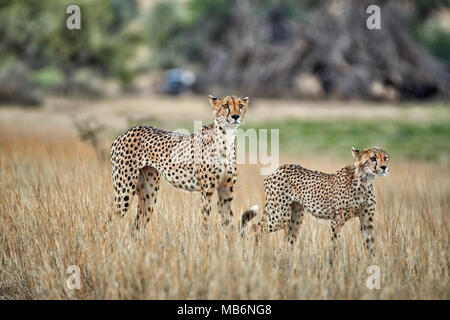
point(204, 161)
point(291, 190)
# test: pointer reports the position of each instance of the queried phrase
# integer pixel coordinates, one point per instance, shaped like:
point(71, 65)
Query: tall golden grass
point(56, 196)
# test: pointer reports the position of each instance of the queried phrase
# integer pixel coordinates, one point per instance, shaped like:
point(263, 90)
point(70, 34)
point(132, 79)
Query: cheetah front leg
point(225, 197)
point(206, 206)
point(366, 221)
point(336, 225)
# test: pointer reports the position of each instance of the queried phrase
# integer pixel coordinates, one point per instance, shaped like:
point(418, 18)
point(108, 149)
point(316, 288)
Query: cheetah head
point(372, 161)
point(229, 110)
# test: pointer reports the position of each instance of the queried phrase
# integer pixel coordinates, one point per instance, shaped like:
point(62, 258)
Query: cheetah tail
point(247, 216)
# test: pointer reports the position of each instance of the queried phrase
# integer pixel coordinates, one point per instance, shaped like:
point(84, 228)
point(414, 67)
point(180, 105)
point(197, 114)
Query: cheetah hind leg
point(124, 190)
point(257, 228)
point(147, 188)
point(295, 222)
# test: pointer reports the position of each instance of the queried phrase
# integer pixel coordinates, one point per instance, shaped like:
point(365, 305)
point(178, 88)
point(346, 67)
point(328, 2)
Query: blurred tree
point(269, 47)
point(34, 33)
point(426, 28)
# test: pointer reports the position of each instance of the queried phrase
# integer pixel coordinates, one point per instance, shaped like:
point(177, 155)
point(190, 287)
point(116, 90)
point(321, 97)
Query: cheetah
point(292, 190)
point(204, 161)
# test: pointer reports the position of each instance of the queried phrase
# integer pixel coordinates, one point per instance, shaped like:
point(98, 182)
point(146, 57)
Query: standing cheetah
point(204, 161)
point(291, 190)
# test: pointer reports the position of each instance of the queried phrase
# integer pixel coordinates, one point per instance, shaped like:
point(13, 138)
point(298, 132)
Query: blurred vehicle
point(177, 81)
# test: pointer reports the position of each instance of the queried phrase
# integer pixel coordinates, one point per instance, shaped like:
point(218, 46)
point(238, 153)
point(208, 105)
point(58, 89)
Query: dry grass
point(55, 197)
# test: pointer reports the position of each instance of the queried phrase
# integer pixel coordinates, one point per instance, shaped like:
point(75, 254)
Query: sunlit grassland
point(56, 196)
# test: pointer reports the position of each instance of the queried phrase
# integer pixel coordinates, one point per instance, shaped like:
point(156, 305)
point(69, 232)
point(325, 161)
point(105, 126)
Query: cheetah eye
point(373, 158)
point(241, 105)
point(225, 105)
point(385, 159)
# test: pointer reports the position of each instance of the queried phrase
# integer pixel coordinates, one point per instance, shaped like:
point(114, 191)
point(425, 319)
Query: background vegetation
point(270, 47)
point(426, 141)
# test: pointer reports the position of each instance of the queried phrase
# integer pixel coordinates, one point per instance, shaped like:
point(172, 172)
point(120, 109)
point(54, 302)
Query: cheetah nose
point(383, 167)
point(235, 116)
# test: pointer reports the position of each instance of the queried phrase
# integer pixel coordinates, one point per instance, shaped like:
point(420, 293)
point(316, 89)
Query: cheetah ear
point(246, 99)
point(355, 153)
point(212, 100)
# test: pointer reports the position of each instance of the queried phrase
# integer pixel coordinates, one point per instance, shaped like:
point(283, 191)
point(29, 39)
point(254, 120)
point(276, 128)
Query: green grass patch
point(424, 140)
point(427, 141)
point(48, 77)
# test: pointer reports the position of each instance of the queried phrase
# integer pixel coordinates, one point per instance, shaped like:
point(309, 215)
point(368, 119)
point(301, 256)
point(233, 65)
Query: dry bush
point(56, 197)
